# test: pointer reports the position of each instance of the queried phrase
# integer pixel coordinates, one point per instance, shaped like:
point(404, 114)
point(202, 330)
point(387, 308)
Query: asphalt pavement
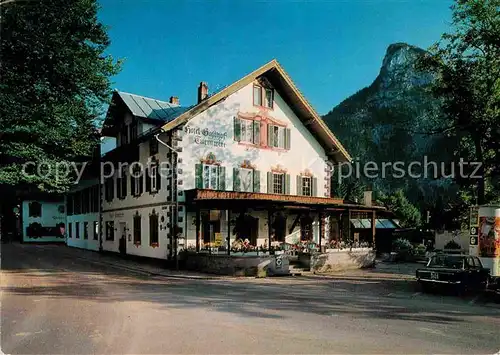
point(55, 303)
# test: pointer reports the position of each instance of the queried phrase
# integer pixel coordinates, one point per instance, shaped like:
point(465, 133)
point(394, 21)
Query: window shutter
point(287, 184)
point(148, 180)
point(236, 179)
point(314, 186)
point(118, 187)
point(256, 132)
point(124, 187)
point(237, 129)
point(111, 189)
point(270, 137)
point(141, 184)
point(287, 138)
point(132, 192)
point(222, 178)
point(269, 182)
point(299, 185)
point(158, 178)
point(256, 181)
point(198, 169)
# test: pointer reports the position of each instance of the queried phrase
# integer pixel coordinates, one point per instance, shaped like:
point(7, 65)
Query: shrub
point(452, 245)
point(402, 245)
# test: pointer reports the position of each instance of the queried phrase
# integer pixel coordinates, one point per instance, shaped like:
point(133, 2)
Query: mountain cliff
point(389, 121)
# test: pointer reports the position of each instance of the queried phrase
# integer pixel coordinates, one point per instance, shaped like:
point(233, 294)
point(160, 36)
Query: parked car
point(461, 272)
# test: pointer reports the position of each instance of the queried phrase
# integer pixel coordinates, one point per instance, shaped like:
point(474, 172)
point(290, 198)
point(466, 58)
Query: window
point(153, 146)
point(109, 189)
point(121, 183)
point(306, 186)
point(124, 135)
point(110, 230)
point(278, 183)
point(96, 230)
point(154, 177)
point(77, 230)
point(85, 230)
point(153, 229)
point(137, 229)
point(95, 199)
point(85, 201)
point(278, 137)
point(268, 102)
point(210, 176)
point(35, 209)
point(246, 131)
point(133, 131)
point(257, 95)
point(246, 180)
point(136, 181)
point(70, 230)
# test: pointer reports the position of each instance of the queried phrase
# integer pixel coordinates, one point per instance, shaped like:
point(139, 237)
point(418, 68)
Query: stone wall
point(263, 265)
point(342, 260)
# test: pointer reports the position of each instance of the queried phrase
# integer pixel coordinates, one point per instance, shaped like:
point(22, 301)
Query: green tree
point(467, 67)
point(55, 79)
point(408, 214)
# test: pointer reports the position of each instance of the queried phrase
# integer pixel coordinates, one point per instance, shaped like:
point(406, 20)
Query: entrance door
point(123, 238)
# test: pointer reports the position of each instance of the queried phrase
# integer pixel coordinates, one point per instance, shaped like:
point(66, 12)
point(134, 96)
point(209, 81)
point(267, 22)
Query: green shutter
point(287, 184)
point(148, 180)
point(287, 138)
point(198, 170)
point(269, 182)
point(256, 132)
point(314, 186)
point(270, 141)
point(256, 181)
point(237, 129)
point(299, 185)
point(222, 178)
point(236, 179)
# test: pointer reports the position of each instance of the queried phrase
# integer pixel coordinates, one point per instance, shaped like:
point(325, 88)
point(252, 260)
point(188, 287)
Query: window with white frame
point(246, 180)
point(257, 95)
point(278, 183)
point(247, 131)
point(210, 176)
point(279, 137)
point(306, 186)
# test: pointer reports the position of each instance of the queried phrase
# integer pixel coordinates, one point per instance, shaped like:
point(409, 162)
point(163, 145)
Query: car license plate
point(434, 276)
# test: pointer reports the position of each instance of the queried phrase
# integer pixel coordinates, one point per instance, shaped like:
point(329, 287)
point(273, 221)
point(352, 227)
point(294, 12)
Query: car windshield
point(449, 261)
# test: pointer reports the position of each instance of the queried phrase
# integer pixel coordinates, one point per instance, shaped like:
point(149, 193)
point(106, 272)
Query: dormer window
point(269, 98)
point(257, 95)
point(263, 96)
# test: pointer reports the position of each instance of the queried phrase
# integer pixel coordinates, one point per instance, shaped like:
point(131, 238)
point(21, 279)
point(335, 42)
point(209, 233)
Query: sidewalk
point(142, 267)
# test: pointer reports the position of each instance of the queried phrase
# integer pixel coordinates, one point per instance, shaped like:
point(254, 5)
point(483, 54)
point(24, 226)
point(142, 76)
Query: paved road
point(53, 303)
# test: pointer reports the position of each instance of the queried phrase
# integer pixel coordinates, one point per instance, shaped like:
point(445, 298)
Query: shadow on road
point(59, 276)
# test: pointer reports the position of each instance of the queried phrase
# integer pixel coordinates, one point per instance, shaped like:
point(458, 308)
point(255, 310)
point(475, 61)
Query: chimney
point(368, 198)
point(202, 91)
point(174, 100)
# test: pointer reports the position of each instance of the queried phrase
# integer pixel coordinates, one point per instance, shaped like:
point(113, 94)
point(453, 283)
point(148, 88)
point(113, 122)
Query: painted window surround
point(262, 130)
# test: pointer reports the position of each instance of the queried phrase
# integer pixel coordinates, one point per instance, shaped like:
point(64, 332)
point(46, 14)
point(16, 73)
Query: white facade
point(43, 221)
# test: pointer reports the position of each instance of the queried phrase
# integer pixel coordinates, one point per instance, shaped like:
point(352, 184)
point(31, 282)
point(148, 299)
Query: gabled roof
point(287, 89)
point(143, 107)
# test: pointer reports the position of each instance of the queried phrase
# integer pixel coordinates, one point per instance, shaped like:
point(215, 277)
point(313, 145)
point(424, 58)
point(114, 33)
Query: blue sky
point(331, 48)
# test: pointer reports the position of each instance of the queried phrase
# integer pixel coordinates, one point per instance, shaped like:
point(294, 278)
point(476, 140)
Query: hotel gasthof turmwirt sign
point(206, 136)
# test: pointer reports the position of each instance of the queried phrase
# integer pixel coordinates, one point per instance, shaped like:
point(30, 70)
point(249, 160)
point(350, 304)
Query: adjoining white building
point(43, 220)
point(249, 165)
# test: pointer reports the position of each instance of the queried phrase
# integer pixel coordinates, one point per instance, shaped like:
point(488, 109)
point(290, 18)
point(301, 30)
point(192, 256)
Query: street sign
point(473, 241)
point(279, 261)
point(473, 231)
